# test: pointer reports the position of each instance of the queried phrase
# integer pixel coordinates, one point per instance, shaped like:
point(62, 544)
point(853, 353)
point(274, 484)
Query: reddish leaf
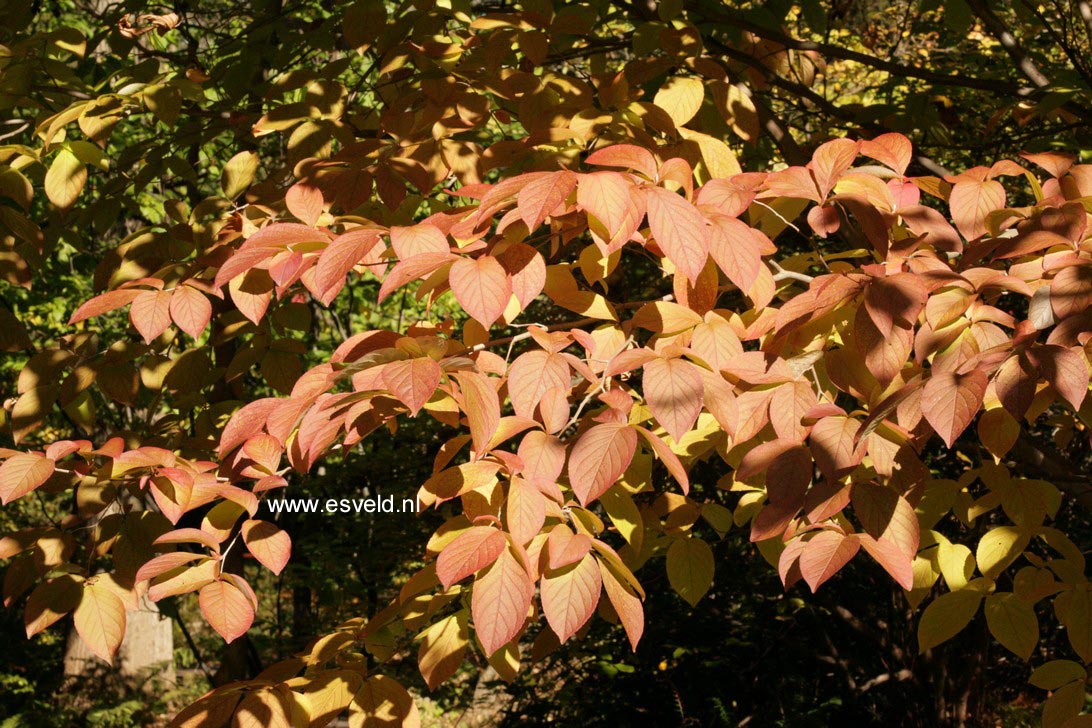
point(543, 457)
point(103, 303)
point(527, 270)
point(151, 313)
point(679, 230)
point(950, 401)
point(412, 381)
point(500, 602)
point(971, 201)
point(626, 156)
point(668, 457)
point(824, 554)
point(627, 605)
point(304, 202)
point(22, 473)
point(893, 150)
point(469, 552)
point(418, 240)
point(525, 510)
point(482, 407)
point(543, 195)
point(531, 375)
point(895, 300)
point(833, 445)
point(673, 389)
point(482, 287)
point(271, 546)
point(736, 250)
point(340, 257)
point(191, 310)
point(1071, 291)
point(599, 458)
point(569, 596)
point(831, 160)
point(1065, 369)
point(611, 204)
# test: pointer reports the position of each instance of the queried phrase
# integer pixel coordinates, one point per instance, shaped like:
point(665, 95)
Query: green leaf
point(1057, 673)
point(1013, 623)
point(946, 617)
point(690, 568)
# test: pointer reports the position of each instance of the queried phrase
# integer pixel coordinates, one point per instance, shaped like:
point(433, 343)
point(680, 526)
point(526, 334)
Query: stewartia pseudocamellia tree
point(820, 329)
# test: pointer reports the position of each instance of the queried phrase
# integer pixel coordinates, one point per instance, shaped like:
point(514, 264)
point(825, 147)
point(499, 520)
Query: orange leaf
point(100, 618)
point(228, 610)
point(824, 554)
point(673, 389)
point(417, 240)
point(542, 196)
point(501, 599)
point(412, 381)
point(22, 473)
point(611, 204)
point(527, 269)
point(482, 287)
point(525, 510)
point(482, 407)
point(340, 257)
point(469, 552)
point(950, 401)
point(381, 702)
point(271, 546)
point(599, 458)
point(569, 596)
point(191, 310)
point(679, 230)
point(627, 605)
point(531, 374)
point(104, 303)
point(151, 314)
point(304, 202)
point(971, 202)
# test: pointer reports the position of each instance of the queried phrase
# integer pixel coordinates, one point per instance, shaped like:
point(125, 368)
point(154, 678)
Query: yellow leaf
point(443, 647)
point(238, 174)
point(100, 618)
point(65, 179)
point(956, 563)
point(999, 548)
point(681, 98)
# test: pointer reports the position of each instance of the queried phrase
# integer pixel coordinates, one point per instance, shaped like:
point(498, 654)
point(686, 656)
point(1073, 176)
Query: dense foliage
point(615, 290)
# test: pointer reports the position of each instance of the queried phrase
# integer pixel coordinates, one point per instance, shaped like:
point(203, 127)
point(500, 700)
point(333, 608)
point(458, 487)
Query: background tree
point(645, 348)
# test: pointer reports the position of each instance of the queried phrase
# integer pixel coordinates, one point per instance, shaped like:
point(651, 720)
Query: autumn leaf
point(271, 546)
point(100, 618)
point(470, 552)
point(500, 600)
point(569, 596)
point(679, 230)
point(482, 287)
point(412, 381)
point(21, 473)
point(228, 610)
point(950, 401)
point(599, 458)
